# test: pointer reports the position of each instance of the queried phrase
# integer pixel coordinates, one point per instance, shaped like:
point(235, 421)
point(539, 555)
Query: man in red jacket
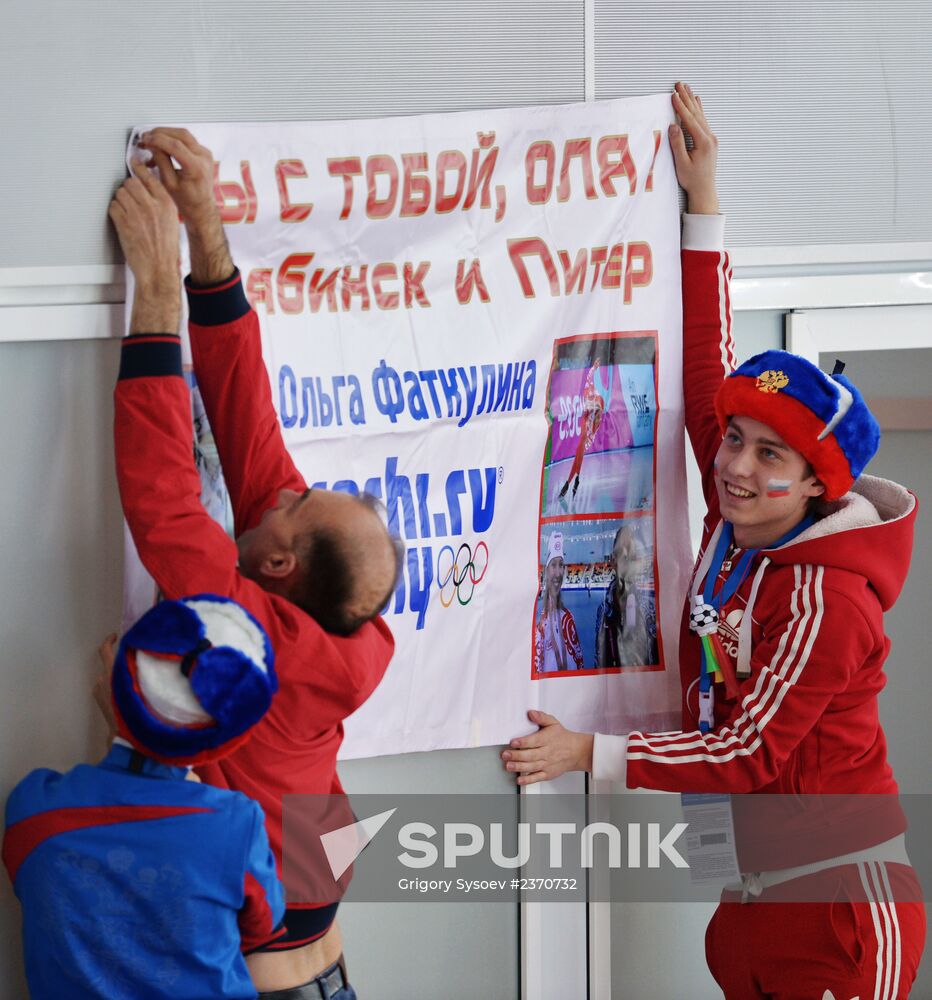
point(781, 652)
point(314, 567)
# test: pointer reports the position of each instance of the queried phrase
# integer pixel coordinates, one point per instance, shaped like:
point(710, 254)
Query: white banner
point(477, 317)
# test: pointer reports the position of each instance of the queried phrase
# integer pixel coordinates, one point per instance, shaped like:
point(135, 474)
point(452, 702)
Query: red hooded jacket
point(807, 622)
point(322, 678)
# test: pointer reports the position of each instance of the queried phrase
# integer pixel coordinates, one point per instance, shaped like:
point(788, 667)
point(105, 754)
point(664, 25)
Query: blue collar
point(121, 758)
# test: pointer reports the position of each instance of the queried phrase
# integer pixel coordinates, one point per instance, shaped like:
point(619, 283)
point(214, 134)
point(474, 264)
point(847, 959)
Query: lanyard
point(735, 578)
point(714, 602)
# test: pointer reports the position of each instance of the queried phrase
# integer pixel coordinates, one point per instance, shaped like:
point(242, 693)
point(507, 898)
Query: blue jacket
point(137, 884)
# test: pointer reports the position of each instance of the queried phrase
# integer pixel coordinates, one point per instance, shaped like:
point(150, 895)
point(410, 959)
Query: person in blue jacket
point(134, 882)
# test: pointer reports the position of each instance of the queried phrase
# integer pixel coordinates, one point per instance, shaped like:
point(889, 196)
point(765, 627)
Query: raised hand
point(146, 223)
point(186, 169)
point(551, 751)
point(695, 168)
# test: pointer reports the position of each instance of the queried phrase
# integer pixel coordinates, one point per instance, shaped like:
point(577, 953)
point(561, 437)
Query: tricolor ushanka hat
point(191, 678)
point(823, 417)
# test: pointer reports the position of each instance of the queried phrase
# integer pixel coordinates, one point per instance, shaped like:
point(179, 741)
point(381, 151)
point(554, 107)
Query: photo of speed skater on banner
point(596, 607)
point(601, 407)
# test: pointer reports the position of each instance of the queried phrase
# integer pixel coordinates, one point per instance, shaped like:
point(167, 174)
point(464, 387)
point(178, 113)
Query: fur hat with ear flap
point(191, 678)
point(822, 416)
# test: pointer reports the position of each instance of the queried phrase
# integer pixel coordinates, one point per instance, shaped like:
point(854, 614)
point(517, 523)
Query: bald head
point(348, 564)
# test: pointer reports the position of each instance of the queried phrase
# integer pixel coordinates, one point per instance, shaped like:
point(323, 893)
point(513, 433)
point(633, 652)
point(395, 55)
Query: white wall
point(60, 574)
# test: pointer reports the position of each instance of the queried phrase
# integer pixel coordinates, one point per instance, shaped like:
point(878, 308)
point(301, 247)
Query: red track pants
point(863, 945)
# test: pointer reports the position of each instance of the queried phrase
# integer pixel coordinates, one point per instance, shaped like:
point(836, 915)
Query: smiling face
point(764, 486)
point(626, 556)
point(553, 578)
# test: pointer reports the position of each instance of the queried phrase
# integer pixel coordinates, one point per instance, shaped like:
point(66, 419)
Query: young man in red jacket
point(313, 566)
point(800, 557)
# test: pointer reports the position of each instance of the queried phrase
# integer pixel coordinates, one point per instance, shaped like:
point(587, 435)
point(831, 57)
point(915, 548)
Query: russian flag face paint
point(778, 487)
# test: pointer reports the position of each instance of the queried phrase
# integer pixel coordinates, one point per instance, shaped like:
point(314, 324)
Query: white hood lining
point(870, 502)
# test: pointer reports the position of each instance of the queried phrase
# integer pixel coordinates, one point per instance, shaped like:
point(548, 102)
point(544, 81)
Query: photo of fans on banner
point(596, 609)
point(476, 319)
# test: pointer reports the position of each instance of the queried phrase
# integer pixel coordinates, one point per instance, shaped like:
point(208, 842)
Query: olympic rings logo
point(462, 575)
